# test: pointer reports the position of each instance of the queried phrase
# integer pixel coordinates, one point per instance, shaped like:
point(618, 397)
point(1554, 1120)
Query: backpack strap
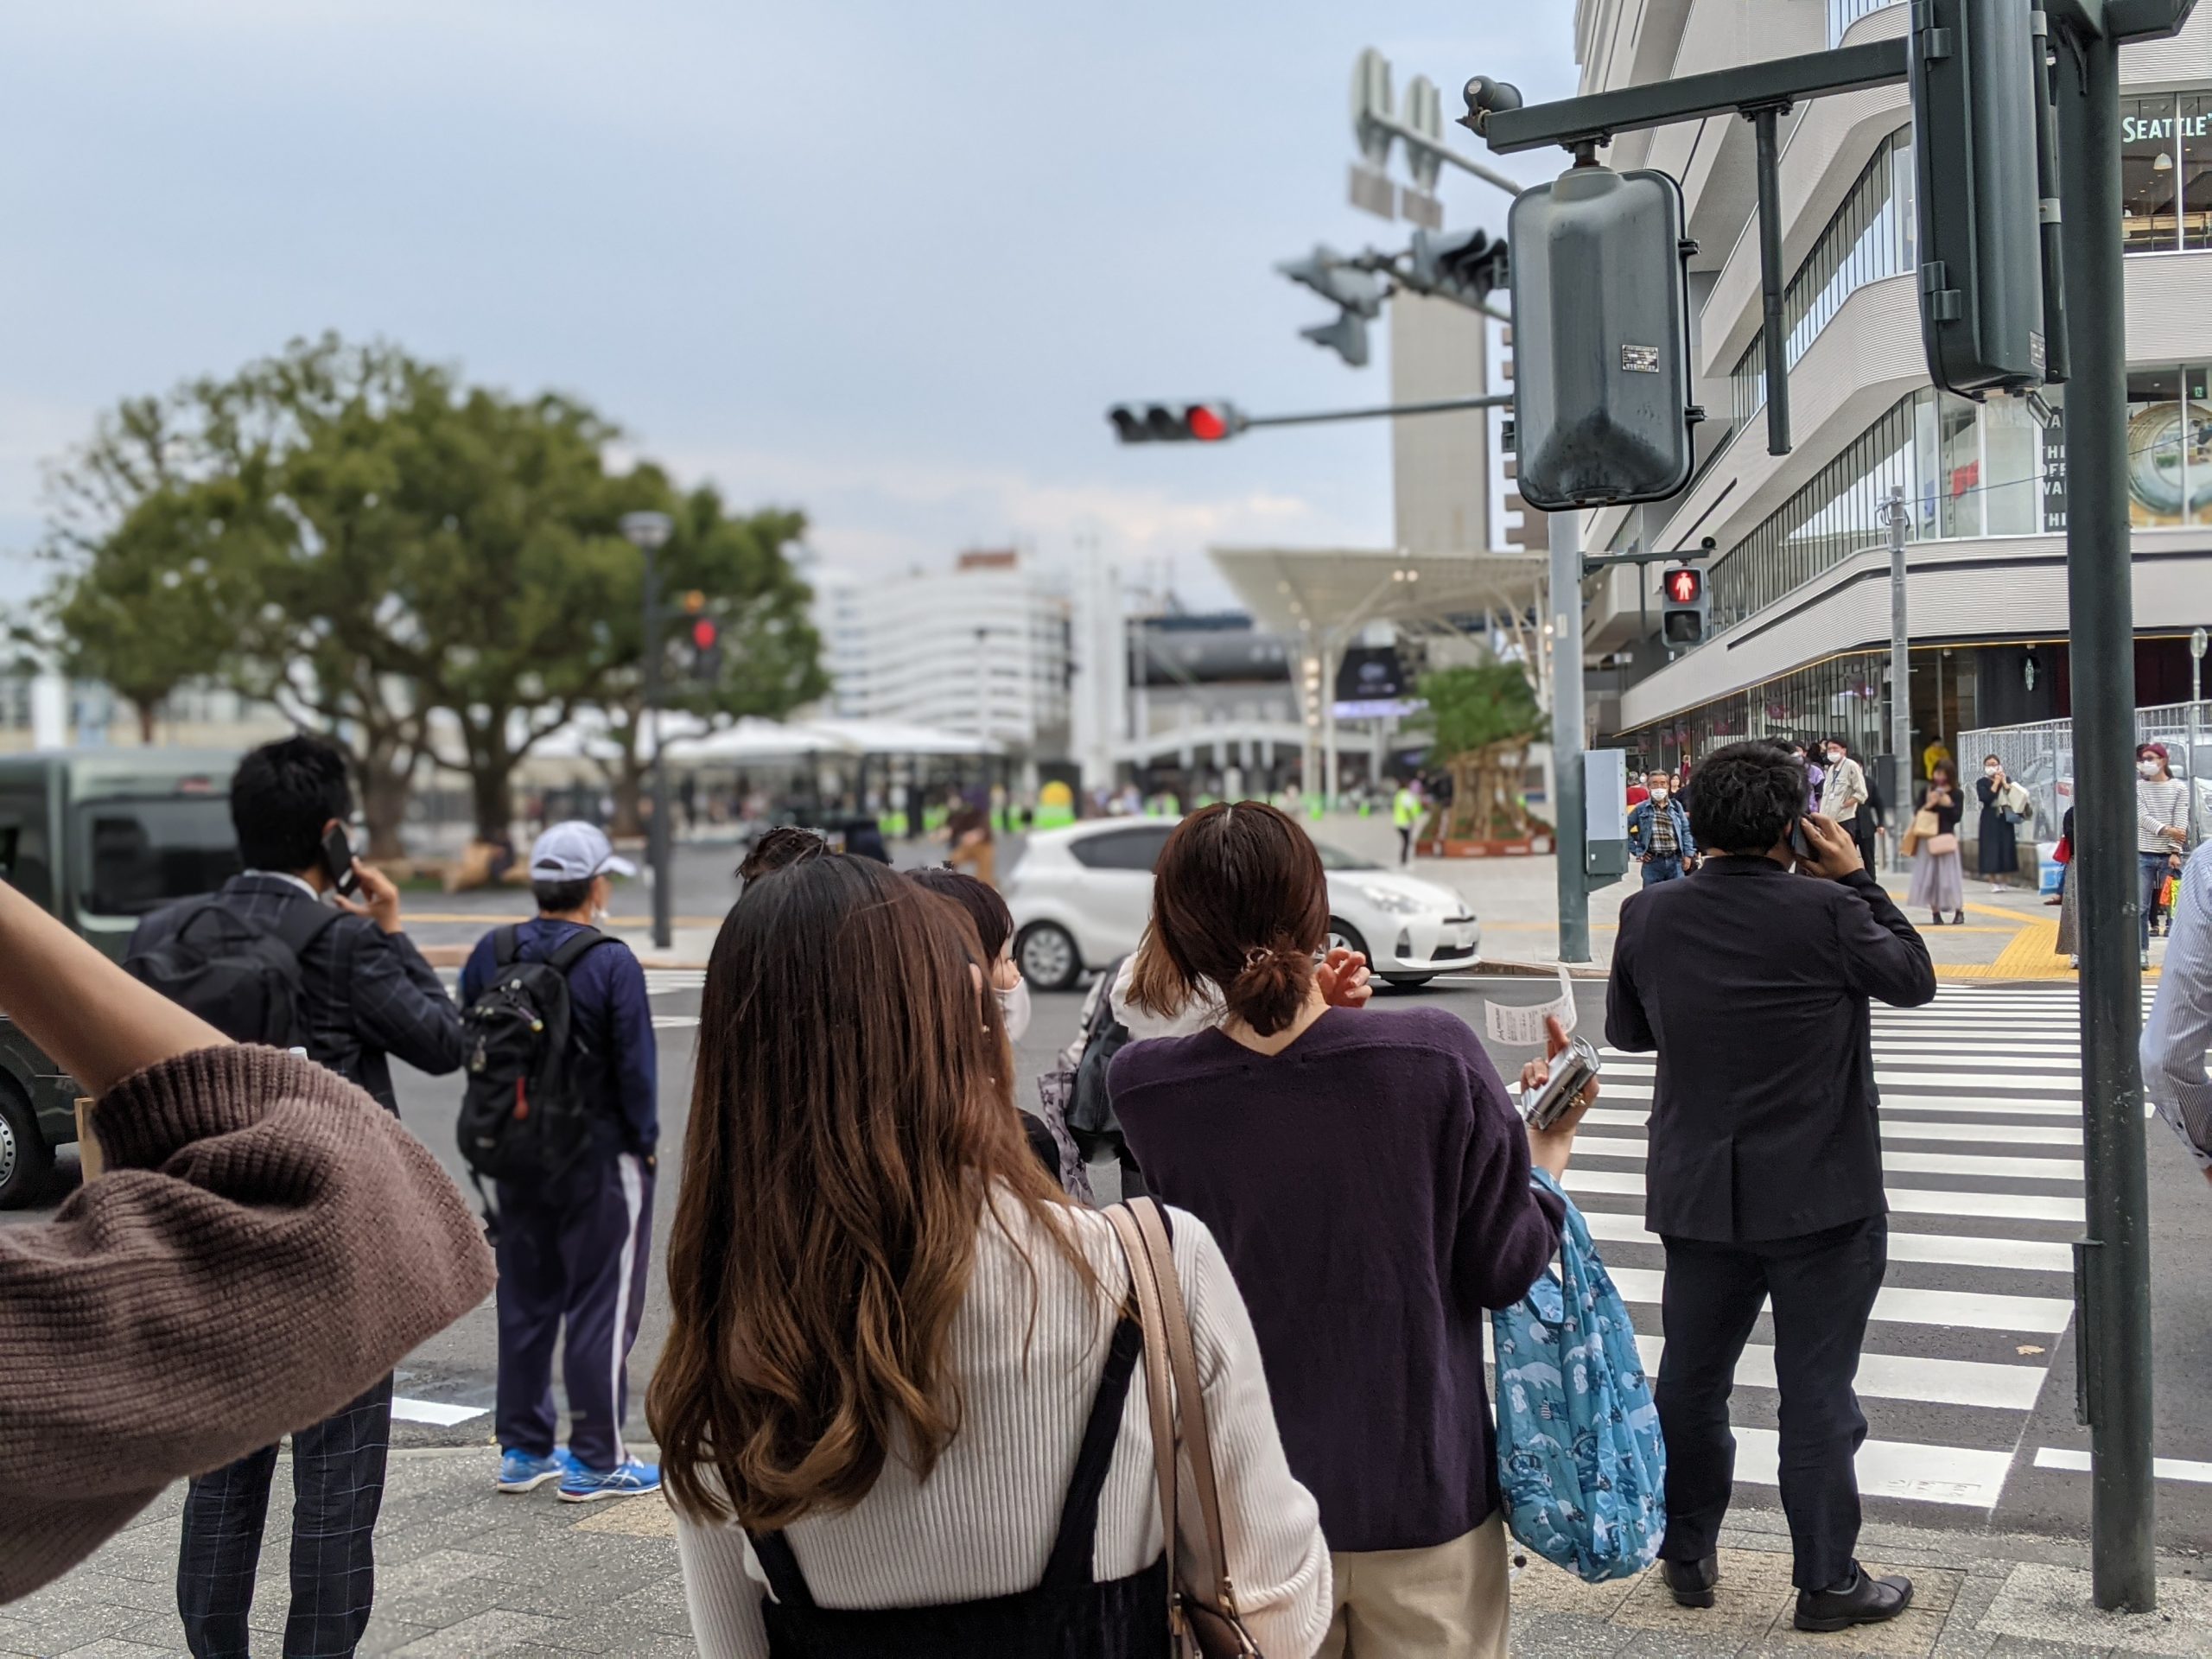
point(575, 947)
point(300, 927)
point(505, 941)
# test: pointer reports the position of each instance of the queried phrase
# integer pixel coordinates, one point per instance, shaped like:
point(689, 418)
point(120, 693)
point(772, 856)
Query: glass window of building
point(2149, 174)
point(2196, 441)
point(2012, 441)
point(1959, 485)
point(2155, 459)
point(2195, 178)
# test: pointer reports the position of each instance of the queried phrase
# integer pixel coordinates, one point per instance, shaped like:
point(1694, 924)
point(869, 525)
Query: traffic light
point(1461, 266)
point(1975, 127)
point(1601, 343)
point(1176, 422)
point(706, 650)
point(1357, 294)
point(1685, 610)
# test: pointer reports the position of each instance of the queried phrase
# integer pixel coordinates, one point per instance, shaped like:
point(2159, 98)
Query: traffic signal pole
point(2113, 1322)
point(1570, 812)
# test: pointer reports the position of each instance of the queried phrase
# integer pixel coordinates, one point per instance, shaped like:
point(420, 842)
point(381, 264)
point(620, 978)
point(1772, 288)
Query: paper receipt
point(1524, 1027)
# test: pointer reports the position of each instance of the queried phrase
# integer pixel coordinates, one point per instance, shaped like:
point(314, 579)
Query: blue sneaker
point(521, 1472)
point(630, 1480)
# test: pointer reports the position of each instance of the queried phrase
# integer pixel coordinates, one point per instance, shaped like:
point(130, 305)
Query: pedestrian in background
point(359, 992)
point(1369, 1183)
point(1938, 878)
point(900, 1405)
point(1764, 1174)
point(1998, 854)
point(574, 1250)
point(1659, 838)
point(1872, 817)
point(1843, 789)
point(1405, 814)
point(2161, 817)
point(2179, 1033)
point(967, 834)
point(2069, 926)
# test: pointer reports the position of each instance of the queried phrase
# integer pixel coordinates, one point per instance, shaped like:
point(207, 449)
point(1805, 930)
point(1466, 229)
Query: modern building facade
point(1800, 572)
point(980, 650)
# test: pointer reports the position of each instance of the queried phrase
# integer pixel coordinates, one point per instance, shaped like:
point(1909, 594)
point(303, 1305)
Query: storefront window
point(2155, 460)
point(1959, 482)
point(2149, 177)
point(2197, 443)
point(2195, 176)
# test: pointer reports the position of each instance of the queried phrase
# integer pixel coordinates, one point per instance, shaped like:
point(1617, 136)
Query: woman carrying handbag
point(904, 1407)
point(1938, 881)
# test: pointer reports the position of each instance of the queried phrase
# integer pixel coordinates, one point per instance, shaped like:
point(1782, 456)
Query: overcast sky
point(885, 262)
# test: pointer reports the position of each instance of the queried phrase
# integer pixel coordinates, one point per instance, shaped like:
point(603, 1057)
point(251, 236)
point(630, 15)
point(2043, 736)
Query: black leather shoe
point(1692, 1582)
point(1858, 1600)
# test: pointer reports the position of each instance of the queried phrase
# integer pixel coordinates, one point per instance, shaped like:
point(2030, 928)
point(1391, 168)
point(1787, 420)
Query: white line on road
point(1939, 1250)
point(1905, 1200)
point(438, 1411)
point(1920, 1474)
point(1900, 1376)
point(1904, 1163)
point(2055, 1457)
point(1895, 1304)
point(2023, 1135)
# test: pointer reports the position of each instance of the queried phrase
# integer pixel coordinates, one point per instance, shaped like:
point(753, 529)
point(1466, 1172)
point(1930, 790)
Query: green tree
point(770, 655)
point(1481, 720)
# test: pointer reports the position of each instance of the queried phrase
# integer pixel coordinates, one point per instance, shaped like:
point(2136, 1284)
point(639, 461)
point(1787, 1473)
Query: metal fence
point(2040, 756)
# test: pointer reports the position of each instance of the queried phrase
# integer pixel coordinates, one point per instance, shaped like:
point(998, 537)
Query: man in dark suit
point(1764, 1171)
point(364, 993)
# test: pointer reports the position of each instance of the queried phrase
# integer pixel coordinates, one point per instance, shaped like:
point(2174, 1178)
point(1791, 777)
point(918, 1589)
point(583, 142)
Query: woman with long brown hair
point(899, 1389)
point(1370, 1185)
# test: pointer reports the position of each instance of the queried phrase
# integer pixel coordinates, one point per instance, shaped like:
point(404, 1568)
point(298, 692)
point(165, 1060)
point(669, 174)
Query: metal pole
point(1440, 406)
point(1900, 778)
point(656, 832)
point(2113, 1277)
point(1568, 819)
point(1771, 279)
point(2197, 641)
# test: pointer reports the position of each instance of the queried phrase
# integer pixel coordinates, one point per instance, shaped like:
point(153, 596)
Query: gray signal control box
point(1601, 340)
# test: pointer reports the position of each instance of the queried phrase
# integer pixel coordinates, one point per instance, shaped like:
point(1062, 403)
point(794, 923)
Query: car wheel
point(1048, 957)
point(26, 1161)
point(1343, 935)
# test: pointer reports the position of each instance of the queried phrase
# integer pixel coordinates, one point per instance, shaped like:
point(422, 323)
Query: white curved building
point(1800, 580)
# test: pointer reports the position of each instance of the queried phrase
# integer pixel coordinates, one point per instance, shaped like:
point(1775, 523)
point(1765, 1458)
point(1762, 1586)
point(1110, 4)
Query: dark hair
point(559, 898)
point(281, 796)
point(1240, 899)
point(993, 921)
point(1747, 797)
point(851, 1117)
point(781, 848)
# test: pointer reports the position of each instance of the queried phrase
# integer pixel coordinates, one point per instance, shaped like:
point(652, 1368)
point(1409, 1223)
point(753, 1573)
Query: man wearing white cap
point(573, 1250)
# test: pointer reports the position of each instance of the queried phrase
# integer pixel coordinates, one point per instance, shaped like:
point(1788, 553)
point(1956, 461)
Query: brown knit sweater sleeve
point(266, 1244)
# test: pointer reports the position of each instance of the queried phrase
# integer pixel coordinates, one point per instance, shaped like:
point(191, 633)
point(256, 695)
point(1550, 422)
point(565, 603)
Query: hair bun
point(1272, 985)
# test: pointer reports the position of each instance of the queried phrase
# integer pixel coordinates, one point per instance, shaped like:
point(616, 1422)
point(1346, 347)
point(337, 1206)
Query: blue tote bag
point(1579, 1459)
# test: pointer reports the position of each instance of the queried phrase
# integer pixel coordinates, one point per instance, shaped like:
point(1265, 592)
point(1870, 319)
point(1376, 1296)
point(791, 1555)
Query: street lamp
point(649, 532)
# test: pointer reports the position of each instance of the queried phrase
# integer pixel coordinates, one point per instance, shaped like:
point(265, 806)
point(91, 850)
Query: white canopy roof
point(1337, 590)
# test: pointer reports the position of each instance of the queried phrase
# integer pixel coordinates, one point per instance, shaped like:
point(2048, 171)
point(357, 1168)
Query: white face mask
point(1013, 1009)
point(1993, 771)
point(2148, 768)
point(1659, 792)
point(1835, 756)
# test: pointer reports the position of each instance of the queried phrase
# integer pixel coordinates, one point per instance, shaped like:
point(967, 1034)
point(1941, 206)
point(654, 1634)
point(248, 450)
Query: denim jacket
point(1639, 829)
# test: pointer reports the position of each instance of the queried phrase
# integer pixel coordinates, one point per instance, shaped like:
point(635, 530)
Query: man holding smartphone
point(1764, 1177)
point(282, 956)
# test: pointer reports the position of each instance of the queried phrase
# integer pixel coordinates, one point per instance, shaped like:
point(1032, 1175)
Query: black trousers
point(337, 1488)
point(1862, 831)
point(1821, 1288)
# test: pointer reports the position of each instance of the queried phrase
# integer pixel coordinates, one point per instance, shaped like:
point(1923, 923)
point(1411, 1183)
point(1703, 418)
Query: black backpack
point(242, 977)
point(1090, 1109)
point(521, 1121)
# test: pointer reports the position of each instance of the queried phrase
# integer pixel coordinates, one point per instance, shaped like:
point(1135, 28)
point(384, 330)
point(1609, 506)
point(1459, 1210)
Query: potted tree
point(1481, 720)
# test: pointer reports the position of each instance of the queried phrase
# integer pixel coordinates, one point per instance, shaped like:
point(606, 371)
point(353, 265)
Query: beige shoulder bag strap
point(1210, 1618)
point(1144, 1294)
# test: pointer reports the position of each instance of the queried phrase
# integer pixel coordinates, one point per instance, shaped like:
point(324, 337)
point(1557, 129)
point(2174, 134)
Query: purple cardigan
point(1369, 1186)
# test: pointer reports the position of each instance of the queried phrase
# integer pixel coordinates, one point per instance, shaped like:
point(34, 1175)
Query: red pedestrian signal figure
point(706, 650)
point(1685, 617)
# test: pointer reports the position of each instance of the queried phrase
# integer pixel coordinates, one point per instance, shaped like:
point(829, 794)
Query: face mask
point(1993, 771)
point(1660, 793)
point(2148, 768)
point(1835, 756)
point(1014, 1008)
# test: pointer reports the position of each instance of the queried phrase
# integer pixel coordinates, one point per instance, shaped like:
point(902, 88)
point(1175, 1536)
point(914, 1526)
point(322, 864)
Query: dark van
point(98, 837)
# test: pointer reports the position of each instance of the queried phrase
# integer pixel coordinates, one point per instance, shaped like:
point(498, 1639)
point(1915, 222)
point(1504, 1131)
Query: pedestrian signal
point(1685, 614)
point(706, 650)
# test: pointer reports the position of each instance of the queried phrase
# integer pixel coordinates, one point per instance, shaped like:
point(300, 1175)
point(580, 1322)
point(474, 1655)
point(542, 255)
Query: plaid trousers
point(337, 1488)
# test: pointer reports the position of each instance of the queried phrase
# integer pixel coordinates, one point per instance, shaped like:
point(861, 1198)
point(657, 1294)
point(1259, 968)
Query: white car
point(1080, 897)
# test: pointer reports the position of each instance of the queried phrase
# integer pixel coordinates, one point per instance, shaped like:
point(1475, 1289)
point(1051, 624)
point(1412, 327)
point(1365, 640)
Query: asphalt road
point(1969, 1381)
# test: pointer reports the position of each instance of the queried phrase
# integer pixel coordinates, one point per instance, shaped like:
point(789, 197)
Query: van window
point(1123, 849)
point(139, 855)
point(23, 854)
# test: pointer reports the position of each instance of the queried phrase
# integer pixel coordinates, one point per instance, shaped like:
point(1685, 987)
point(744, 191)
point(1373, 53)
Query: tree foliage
point(1481, 719)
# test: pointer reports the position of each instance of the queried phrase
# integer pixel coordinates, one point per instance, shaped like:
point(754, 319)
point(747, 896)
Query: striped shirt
point(1027, 1355)
point(2159, 802)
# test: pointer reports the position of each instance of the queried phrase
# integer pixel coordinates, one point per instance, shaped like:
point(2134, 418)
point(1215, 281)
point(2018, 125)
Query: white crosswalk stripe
point(1981, 1134)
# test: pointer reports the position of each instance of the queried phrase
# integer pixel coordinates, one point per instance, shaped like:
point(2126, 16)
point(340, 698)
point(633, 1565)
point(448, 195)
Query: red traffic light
point(1684, 586)
point(704, 633)
point(1205, 423)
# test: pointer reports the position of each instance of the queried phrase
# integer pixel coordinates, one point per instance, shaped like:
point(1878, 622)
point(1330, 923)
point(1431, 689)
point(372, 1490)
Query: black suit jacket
point(365, 992)
point(1753, 983)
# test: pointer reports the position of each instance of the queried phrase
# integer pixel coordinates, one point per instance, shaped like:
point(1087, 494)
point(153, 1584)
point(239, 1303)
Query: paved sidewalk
point(463, 1572)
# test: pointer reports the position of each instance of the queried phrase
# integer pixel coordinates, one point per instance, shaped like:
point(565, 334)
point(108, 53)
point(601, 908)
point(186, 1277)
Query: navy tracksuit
point(576, 1254)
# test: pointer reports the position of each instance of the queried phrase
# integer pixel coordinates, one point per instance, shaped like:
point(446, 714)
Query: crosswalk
point(1981, 1146)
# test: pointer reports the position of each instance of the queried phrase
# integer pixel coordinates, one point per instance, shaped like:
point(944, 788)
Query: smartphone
point(1798, 844)
point(337, 861)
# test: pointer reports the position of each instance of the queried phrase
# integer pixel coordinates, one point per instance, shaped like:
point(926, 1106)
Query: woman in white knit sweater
point(900, 1410)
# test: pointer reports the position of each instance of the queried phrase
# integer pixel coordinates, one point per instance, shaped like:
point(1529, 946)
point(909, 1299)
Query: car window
point(1123, 849)
point(139, 855)
point(23, 857)
point(1335, 858)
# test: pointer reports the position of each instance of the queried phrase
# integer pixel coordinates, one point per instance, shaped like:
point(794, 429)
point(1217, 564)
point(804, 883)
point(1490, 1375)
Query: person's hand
point(1548, 1148)
point(1835, 854)
point(379, 900)
point(2173, 832)
point(1344, 979)
point(1646, 859)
